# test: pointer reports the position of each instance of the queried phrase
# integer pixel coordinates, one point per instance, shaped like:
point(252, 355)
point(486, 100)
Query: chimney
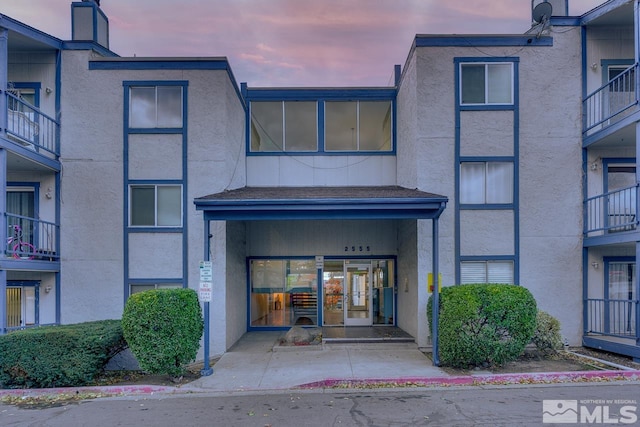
point(89, 23)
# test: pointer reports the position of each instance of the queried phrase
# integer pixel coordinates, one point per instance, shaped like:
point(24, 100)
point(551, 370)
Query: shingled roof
point(321, 203)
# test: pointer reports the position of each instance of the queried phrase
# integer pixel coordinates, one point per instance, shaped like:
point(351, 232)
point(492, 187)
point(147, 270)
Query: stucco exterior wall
point(92, 196)
point(551, 179)
point(291, 171)
point(549, 164)
point(289, 238)
point(91, 220)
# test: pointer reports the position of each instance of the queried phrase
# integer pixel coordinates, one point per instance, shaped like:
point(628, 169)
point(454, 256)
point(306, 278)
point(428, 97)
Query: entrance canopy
point(287, 203)
point(323, 203)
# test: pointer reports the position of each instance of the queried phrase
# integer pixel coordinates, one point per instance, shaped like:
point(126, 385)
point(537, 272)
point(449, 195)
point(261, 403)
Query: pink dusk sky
point(288, 42)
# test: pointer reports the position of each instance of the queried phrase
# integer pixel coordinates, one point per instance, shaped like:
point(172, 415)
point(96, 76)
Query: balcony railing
point(30, 127)
point(30, 238)
point(612, 212)
point(611, 102)
point(610, 317)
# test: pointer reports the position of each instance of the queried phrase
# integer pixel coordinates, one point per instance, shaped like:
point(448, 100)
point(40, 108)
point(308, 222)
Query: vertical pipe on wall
point(3, 238)
point(4, 51)
point(435, 310)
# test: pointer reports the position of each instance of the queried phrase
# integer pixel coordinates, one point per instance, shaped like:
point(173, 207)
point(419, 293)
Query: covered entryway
point(301, 278)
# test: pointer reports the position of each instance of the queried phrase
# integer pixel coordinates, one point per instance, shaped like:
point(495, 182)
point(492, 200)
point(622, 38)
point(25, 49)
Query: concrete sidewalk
point(256, 362)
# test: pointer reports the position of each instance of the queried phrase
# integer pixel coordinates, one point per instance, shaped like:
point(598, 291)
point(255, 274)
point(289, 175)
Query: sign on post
point(206, 279)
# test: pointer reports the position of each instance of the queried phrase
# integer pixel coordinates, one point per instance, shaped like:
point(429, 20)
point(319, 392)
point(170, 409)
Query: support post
point(435, 308)
point(206, 370)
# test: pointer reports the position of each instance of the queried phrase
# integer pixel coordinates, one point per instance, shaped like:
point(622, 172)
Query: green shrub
point(163, 329)
point(483, 324)
point(547, 337)
point(58, 356)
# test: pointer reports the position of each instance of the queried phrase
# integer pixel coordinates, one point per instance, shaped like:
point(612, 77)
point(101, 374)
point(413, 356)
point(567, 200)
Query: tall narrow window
point(155, 107)
point(490, 83)
point(21, 211)
point(621, 294)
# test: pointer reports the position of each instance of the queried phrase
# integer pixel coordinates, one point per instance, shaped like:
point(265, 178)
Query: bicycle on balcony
point(19, 248)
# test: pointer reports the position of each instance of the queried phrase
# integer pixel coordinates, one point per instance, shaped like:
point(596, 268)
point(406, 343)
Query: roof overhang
point(296, 203)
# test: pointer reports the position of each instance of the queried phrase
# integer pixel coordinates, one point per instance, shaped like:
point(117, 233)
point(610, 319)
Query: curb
point(477, 380)
point(99, 391)
point(335, 383)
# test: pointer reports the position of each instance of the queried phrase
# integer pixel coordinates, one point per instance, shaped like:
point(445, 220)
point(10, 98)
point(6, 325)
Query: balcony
point(612, 212)
point(616, 318)
point(611, 103)
point(31, 239)
point(31, 128)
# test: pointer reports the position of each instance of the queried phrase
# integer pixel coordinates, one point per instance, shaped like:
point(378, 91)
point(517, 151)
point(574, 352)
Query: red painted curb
point(491, 379)
point(104, 390)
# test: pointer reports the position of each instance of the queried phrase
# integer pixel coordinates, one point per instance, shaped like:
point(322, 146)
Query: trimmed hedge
point(484, 324)
point(547, 337)
point(58, 356)
point(163, 329)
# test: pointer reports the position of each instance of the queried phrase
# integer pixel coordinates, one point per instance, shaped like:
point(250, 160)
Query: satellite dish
point(542, 12)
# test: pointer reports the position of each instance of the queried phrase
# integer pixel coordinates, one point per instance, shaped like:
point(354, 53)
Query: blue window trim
point(209, 64)
point(484, 60)
point(488, 258)
point(458, 158)
point(487, 159)
point(36, 202)
point(320, 96)
point(24, 284)
point(606, 162)
point(126, 131)
point(606, 63)
point(36, 86)
point(318, 281)
point(152, 281)
point(607, 260)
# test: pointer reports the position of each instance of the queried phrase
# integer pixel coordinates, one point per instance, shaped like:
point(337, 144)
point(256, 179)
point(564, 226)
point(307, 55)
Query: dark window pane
point(472, 84)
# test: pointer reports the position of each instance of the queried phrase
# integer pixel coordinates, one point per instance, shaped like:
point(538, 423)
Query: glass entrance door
point(358, 296)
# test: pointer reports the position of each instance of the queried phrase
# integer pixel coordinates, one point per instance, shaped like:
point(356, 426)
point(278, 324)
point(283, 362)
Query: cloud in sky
point(288, 42)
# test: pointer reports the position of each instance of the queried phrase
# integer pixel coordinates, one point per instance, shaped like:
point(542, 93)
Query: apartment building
point(491, 158)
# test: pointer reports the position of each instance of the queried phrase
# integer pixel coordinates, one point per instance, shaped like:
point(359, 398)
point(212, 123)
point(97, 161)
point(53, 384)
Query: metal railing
point(31, 128)
point(611, 102)
point(614, 211)
point(32, 239)
point(611, 317)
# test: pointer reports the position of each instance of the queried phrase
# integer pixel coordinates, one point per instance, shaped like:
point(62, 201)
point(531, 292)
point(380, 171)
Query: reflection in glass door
point(358, 296)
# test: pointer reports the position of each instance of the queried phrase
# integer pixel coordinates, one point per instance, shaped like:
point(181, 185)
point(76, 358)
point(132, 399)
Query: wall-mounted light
point(595, 265)
point(47, 289)
point(48, 90)
point(594, 66)
point(48, 194)
point(594, 166)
